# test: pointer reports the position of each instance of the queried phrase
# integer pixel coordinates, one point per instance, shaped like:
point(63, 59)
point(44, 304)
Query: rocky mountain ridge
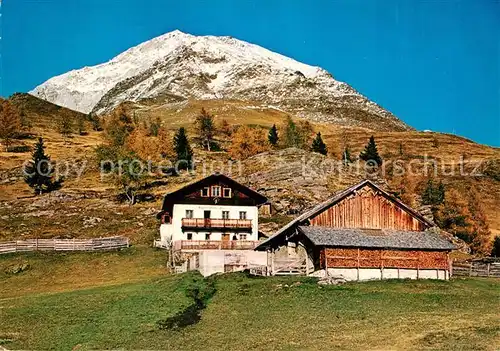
point(178, 66)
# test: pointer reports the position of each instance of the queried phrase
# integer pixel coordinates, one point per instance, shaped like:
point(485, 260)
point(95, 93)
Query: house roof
point(336, 198)
point(375, 238)
point(211, 179)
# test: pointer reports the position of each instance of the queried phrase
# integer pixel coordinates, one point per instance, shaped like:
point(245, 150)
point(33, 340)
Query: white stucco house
point(215, 213)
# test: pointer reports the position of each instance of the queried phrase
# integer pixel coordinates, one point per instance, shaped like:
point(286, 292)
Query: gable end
point(370, 208)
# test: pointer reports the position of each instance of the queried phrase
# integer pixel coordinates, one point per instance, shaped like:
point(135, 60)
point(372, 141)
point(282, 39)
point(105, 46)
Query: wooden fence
point(97, 244)
point(476, 269)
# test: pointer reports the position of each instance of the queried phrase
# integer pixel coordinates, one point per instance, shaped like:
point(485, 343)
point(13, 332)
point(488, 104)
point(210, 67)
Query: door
point(225, 241)
point(206, 217)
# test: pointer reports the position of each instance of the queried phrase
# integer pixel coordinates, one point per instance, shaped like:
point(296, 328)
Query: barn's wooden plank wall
point(97, 244)
point(367, 210)
point(377, 258)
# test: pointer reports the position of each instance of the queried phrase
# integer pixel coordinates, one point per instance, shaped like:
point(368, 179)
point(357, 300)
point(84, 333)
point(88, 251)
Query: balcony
point(215, 245)
point(211, 223)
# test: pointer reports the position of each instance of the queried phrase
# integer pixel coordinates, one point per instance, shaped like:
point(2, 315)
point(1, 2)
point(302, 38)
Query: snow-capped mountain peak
point(207, 67)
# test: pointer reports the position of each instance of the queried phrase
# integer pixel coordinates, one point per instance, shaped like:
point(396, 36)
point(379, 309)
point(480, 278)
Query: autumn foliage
point(118, 126)
point(205, 127)
point(150, 147)
point(246, 142)
point(465, 218)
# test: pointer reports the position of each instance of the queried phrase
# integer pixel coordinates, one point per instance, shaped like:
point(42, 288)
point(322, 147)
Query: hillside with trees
point(272, 148)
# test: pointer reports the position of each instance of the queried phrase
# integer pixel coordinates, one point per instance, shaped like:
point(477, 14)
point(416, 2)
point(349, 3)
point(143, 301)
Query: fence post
point(488, 269)
point(36, 244)
point(470, 270)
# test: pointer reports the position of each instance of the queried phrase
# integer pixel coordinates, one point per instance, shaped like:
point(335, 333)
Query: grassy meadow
point(116, 301)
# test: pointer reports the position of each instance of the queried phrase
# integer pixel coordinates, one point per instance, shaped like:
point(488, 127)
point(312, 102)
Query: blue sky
point(434, 64)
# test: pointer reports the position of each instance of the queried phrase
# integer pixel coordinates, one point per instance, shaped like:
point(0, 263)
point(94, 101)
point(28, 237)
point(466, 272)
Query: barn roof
point(333, 200)
point(375, 238)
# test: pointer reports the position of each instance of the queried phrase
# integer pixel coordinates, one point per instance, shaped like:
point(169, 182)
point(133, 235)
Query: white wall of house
point(175, 232)
point(216, 261)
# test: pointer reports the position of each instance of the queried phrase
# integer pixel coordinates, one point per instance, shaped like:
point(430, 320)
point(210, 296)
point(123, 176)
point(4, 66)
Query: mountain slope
point(178, 66)
point(41, 109)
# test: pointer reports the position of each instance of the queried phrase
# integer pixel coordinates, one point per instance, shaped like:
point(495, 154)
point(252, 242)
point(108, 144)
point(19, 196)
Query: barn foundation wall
point(363, 274)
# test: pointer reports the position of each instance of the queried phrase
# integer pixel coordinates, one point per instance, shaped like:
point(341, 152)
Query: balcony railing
point(215, 244)
point(216, 223)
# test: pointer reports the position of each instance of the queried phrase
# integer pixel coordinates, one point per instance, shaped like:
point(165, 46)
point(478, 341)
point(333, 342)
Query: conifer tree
point(346, 156)
point(273, 135)
point(495, 251)
point(206, 128)
point(318, 145)
point(183, 149)
point(433, 194)
point(370, 152)
point(38, 173)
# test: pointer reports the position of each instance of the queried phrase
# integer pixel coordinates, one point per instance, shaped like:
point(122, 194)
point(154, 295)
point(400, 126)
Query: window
point(225, 214)
point(243, 237)
point(207, 236)
point(190, 236)
point(226, 192)
point(205, 192)
point(189, 213)
point(215, 191)
point(243, 215)
point(167, 219)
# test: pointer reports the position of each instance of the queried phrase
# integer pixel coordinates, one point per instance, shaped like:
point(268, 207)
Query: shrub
point(19, 148)
point(492, 169)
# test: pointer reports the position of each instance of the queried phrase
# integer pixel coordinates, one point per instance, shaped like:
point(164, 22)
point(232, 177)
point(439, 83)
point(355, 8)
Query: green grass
point(53, 272)
point(259, 313)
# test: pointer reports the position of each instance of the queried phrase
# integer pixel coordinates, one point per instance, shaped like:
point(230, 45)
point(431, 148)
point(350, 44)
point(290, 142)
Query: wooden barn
point(361, 233)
